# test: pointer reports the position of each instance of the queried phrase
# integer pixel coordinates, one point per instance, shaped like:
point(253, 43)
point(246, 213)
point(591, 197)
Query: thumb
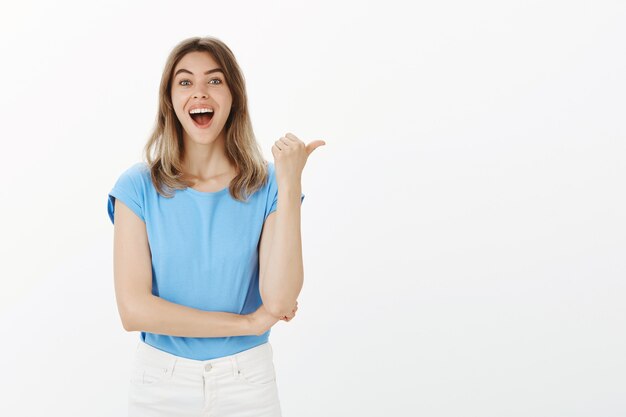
point(314, 145)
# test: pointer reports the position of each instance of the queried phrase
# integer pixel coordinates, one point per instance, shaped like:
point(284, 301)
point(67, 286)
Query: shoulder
point(135, 179)
point(137, 173)
point(130, 187)
point(139, 169)
point(271, 171)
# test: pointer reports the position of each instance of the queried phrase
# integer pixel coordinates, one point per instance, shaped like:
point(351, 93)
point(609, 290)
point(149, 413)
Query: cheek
point(227, 104)
point(179, 110)
point(178, 115)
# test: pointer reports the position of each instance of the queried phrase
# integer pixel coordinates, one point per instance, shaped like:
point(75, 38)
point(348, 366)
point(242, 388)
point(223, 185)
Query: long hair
point(165, 148)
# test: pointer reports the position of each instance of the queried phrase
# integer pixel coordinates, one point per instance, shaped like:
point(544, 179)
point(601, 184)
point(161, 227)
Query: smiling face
point(197, 84)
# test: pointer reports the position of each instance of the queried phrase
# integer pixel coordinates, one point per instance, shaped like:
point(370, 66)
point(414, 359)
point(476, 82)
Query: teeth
point(205, 110)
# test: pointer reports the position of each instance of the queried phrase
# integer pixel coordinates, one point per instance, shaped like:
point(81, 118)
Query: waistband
point(149, 354)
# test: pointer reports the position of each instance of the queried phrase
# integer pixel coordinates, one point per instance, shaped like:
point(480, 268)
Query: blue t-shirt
point(204, 248)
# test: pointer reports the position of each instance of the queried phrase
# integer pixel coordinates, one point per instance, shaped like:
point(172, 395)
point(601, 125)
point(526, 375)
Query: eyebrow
point(206, 73)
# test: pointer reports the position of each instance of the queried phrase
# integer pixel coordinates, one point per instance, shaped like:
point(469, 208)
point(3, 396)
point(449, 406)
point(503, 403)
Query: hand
point(262, 320)
point(290, 156)
point(293, 313)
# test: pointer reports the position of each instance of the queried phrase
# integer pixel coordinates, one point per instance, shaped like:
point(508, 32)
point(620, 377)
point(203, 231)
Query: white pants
point(243, 384)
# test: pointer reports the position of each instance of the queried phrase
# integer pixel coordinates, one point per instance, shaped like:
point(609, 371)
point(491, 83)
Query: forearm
point(156, 315)
point(284, 274)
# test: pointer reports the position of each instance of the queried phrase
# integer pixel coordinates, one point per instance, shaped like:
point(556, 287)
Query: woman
point(207, 245)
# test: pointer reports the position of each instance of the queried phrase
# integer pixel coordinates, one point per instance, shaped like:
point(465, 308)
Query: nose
point(201, 91)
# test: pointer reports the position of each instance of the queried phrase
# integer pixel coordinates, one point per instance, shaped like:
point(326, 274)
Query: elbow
point(132, 313)
point(129, 325)
point(127, 322)
point(128, 318)
point(270, 305)
point(273, 306)
point(280, 310)
point(280, 305)
point(276, 310)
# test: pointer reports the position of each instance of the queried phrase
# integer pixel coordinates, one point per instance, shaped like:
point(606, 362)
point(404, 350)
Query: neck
point(203, 161)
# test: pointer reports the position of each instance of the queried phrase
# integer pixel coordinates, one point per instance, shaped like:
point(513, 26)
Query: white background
point(463, 228)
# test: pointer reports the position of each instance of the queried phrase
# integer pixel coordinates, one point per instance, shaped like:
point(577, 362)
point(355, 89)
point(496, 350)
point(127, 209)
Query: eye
point(187, 81)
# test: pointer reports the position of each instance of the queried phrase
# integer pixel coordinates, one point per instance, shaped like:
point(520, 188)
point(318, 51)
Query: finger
point(314, 145)
point(285, 141)
point(278, 145)
point(291, 136)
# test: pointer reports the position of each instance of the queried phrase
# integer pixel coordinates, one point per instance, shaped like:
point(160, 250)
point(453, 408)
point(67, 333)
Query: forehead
point(196, 62)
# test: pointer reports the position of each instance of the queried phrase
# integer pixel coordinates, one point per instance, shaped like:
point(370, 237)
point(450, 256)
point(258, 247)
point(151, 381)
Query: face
point(193, 89)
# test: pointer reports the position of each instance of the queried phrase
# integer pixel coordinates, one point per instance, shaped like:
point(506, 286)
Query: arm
point(156, 315)
point(139, 309)
point(281, 272)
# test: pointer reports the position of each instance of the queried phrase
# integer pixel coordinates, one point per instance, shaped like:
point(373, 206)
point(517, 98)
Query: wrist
point(288, 184)
point(291, 192)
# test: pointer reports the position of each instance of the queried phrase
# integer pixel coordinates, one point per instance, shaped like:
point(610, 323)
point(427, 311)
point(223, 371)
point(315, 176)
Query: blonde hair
point(164, 149)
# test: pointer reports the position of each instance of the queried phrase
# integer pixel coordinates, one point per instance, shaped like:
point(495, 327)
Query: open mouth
point(202, 120)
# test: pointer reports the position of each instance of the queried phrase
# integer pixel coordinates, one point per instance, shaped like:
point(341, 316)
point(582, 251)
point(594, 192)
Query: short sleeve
point(128, 189)
point(273, 191)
